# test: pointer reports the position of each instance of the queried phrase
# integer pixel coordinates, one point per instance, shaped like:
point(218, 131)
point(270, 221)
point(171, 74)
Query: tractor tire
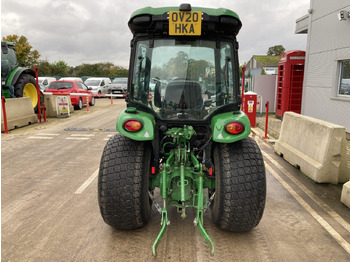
point(240, 190)
point(26, 87)
point(123, 183)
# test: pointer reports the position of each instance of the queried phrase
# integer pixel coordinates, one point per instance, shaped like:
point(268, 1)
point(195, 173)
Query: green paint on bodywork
point(161, 10)
point(9, 82)
point(219, 121)
point(147, 120)
point(12, 74)
point(6, 93)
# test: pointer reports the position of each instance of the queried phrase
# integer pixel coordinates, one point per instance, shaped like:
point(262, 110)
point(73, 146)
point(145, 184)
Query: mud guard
point(219, 121)
point(147, 131)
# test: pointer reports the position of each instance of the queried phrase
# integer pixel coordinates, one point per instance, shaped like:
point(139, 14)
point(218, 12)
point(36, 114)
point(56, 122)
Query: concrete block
point(50, 104)
point(317, 147)
point(345, 194)
point(19, 112)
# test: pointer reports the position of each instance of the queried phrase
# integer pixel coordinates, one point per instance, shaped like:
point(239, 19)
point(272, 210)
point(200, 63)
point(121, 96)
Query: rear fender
point(147, 131)
point(219, 121)
point(10, 81)
point(13, 77)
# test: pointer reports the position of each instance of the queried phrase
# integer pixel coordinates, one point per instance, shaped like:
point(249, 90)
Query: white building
point(258, 63)
point(326, 89)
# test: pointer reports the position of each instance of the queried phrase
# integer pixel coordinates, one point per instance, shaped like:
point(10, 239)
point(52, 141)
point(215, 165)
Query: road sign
point(62, 106)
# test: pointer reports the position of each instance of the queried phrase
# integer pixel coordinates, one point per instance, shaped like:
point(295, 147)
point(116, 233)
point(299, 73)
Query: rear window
point(60, 85)
point(120, 81)
point(92, 82)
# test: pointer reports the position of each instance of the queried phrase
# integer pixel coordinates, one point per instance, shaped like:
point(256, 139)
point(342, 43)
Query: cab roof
point(215, 21)
point(161, 10)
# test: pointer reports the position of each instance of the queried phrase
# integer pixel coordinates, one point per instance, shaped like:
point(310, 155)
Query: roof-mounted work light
point(185, 7)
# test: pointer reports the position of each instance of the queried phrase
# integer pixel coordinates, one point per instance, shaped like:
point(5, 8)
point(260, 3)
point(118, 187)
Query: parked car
point(42, 87)
point(71, 79)
point(119, 86)
point(99, 85)
point(45, 80)
point(79, 92)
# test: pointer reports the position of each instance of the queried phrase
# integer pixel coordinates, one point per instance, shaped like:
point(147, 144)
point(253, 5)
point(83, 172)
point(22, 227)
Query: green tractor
point(16, 81)
point(173, 136)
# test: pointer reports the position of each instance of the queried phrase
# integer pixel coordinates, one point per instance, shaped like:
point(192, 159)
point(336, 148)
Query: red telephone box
point(290, 82)
point(250, 101)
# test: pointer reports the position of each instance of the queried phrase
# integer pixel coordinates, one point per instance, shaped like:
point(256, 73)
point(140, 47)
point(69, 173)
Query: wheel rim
point(29, 90)
point(80, 103)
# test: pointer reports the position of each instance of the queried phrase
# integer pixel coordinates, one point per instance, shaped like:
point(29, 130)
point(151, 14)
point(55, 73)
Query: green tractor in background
point(185, 135)
point(16, 81)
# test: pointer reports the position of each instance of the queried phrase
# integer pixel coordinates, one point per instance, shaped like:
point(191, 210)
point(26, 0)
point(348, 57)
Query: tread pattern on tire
point(21, 82)
point(123, 183)
point(240, 185)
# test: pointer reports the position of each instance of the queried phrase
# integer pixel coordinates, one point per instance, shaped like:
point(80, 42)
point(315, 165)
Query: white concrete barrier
point(19, 112)
point(317, 147)
point(345, 194)
point(50, 104)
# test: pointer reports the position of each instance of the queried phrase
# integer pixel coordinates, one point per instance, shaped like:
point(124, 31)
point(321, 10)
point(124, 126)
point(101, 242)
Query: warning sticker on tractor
point(185, 23)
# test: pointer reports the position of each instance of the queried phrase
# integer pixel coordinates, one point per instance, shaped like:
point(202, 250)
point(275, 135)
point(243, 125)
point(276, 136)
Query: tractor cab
point(8, 60)
point(191, 56)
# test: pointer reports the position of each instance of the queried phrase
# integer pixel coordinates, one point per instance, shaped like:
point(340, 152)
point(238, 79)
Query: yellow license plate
point(185, 23)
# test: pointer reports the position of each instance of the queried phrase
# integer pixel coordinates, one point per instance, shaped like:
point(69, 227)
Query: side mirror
point(4, 48)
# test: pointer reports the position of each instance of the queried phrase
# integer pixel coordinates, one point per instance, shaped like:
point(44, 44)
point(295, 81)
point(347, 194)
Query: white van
point(99, 85)
point(71, 79)
point(45, 80)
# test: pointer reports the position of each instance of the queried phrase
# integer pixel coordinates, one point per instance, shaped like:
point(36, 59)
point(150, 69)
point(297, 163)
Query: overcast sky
point(92, 31)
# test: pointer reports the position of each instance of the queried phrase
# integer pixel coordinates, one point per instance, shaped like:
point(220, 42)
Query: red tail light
point(234, 128)
point(132, 125)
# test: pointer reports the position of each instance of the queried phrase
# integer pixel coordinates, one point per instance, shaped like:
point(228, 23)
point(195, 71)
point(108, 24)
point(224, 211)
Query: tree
point(99, 69)
point(44, 68)
point(177, 66)
point(33, 58)
point(86, 70)
point(59, 68)
point(25, 55)
point(30, 58)
point(196, 68)
point(119, 71)
point(276, 50)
